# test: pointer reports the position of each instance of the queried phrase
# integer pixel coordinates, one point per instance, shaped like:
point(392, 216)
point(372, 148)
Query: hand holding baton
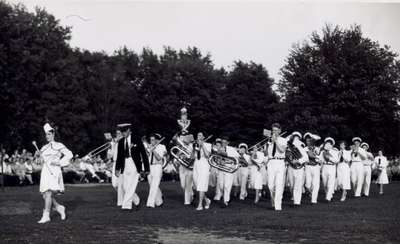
point(40, 155)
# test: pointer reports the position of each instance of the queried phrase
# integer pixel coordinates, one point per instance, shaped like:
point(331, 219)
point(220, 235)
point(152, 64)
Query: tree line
point(338, 83)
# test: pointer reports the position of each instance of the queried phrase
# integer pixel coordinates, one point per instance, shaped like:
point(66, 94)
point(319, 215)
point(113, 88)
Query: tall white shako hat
point(330, 139)
point(47, 128)
point(184, 110)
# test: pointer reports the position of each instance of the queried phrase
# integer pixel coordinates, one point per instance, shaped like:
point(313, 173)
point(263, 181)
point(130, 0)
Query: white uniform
point(243, 175)
point(296, 177)
point(313, 174)
point(329, 172)
point(343, 170)
point(225, 180)
point(357, 170)
point(51, 178)
point(382, 163)
point(276, 172)
point(154, 178)
point(186, 179)
point(367, 173)
point(110, 154)
point(201, 169)
point(256, 179)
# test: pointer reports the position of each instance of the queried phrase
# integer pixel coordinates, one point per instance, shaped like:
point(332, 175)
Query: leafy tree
point(342, 84)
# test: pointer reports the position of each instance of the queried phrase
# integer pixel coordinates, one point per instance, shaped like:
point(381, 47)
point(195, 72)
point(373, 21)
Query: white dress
point(201, 170)
point(343, 171)
point(51, 176)
point(382, 163)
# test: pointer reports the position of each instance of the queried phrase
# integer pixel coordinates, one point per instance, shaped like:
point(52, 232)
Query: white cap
point(296, 133)
point(47, 128)
point(330, 139)
point(356, 139)
point(243, 145)
point(364, 144)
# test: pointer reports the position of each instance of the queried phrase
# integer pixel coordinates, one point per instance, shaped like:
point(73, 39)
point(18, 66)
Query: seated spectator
point(28, 169)
point(87, 166)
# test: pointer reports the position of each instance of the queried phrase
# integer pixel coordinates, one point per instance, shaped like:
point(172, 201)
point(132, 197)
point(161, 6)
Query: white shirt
point(282, 143)
point(361, 155)
point(161, 150)
point(383, 161)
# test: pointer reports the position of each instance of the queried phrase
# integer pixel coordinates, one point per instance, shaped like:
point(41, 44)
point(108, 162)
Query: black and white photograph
point(199, 121)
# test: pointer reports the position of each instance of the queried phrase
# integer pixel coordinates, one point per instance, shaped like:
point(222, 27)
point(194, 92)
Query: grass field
point(94, 218)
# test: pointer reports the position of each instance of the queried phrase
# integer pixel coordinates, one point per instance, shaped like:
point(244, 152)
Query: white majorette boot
point(45, 217)
point(61, 210)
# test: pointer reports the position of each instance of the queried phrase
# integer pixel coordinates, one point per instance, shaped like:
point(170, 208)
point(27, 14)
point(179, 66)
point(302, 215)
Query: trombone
point(97, 151)
point(264, 141)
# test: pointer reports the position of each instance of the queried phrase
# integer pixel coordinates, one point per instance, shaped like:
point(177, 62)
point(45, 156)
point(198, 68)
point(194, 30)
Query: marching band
point(296, 161)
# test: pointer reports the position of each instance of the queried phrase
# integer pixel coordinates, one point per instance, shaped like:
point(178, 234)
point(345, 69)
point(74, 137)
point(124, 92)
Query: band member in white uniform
point(244, 170)
point(157, 153)
point(130, 157)
point(257, 163)
point(343, 170)
point(225, 179)
point(367, 169)
point(214, 172)
point(357, 167)
point(313, 166)
point(186, 174)
point(54, 155)
point(329, 158)
point(110, 156)
point(201, 170)
point(296, 167)
point(276, 166)
point(381, 164)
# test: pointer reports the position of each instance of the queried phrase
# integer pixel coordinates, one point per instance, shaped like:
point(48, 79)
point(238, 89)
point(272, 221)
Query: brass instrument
point(97, 151)
point(224, 163)
point(263, 142)
point(182, 154)
point(149, 147)
point(293, 155)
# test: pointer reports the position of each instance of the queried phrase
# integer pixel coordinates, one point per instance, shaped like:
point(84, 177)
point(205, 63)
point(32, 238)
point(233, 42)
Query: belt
point(312, 164)
point(277, 158)
point(329, 163)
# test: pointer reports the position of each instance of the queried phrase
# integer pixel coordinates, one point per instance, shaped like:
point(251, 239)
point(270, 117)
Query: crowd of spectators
point(23, 168)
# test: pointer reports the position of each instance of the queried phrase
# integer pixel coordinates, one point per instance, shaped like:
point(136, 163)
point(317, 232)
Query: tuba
point(182, 154)
point(293, 155)
point(224, 163)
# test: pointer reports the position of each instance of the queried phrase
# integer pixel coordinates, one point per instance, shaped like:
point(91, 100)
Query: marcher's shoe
point(137, 207)
point(208, 203)
point(61, 210)
point(45, 217)
point(199, 208)
point(343, 199)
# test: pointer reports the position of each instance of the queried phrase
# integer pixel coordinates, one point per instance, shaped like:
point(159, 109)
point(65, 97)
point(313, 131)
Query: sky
point(263, 32)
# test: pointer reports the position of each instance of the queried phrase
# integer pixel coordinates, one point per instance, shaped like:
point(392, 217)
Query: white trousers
point(328, 180)
point(127, 183)
point(186, 179)
point(224, 183)
point(313, 176)
point(296, 182)
point(243, 176)
point(256, 179)
point(366, 179)
point(154, 179)
point(276, 176)
point(357, 177)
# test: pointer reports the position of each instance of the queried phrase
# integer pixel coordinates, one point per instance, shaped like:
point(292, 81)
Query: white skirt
point(256, 179)
point(343, 176)
point(51, 179)
point(201, 174)
point(383, 177)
